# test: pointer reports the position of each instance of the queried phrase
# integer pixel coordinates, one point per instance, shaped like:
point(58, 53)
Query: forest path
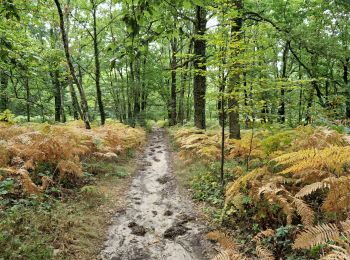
point(159, 222)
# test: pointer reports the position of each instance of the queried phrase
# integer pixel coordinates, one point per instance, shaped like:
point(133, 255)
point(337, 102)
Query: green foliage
point(207, 188)
point(7, 116)
point(278, 141)
point(6, 186)
point(302, 176)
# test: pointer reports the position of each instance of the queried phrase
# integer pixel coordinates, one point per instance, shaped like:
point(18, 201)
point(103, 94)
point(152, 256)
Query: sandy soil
point(159, 222)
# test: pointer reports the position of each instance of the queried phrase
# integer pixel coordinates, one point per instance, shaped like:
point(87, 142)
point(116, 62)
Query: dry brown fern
point(311, 188)
point(316, 235)
point(276, 195)
point(230, 255)
point(304, 211)
point(262, 252)
point(346, 227)
point(224, 240)
point(61, 147)
point(338, 197)
point(230, 248)
point(245, 147)
point(319, 138)
point(234, 187)
point(337, 253)
point(333, 159)
point(29, 187)
point(198, 144)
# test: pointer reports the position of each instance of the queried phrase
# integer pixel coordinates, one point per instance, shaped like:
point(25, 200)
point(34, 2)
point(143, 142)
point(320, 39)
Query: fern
point(198, 144)
point(29, 187)
point(333, 159)
point(224, 240)
point(304, 211)
point(318, 138)
point(261, 251)
point(264, 253)
point(230, 248)
point(272, 195)
point(229, 255)
point(346, 227)
point(245, 147)
point(309, 189)
point(234, 188)
point(338, 197)
point(316, 235)
point(337, 253)
point(62, 147)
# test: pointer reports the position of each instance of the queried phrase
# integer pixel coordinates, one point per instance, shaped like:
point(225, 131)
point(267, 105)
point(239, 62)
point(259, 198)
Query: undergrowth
point(287, 190)
point(58, 183)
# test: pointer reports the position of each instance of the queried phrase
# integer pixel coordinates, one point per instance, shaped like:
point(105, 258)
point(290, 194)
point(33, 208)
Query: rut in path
point(158, 222)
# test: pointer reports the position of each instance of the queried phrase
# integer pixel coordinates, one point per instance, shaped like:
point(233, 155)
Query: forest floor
point(159, 220)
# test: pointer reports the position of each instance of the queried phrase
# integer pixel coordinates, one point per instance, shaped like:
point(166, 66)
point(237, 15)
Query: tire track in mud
point(158, 222)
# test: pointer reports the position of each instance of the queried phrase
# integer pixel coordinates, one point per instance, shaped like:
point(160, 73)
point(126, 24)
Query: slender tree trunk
point(62, 110)
point(97, 65)
point(128, 94)
point(143, 86)
point(282, 109)
point(346, 83)
point(234, 126)
point(123, 107)
point(27, 88)
point(3, 92)
point(308, 118)
point(199, 64)
point(300, 109)
point(57, 94)
point(75, 103)
point(222, 162)
point(172, 103)
point(221, 102)
point(137, 107)
point(84, 104)
point(189, 98)
point(185, 74)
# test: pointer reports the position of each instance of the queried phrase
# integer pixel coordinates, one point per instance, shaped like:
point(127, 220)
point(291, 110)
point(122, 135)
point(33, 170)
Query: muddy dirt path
point(159, 222)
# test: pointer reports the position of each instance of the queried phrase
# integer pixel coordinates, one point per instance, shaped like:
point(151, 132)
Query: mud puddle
point(159, 222)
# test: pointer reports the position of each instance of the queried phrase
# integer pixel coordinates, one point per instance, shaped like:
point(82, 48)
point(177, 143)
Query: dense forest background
point(256, 95)
point(266, 61)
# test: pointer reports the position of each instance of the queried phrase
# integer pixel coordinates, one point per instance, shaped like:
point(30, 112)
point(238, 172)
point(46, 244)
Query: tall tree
point(97, 61)
point(200, 67)
point(234, 76)
point(173, 82)
point(84, 104)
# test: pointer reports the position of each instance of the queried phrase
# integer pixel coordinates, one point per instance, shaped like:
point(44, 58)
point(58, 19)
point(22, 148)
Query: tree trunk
point(172, 103)
point(221, 102)
point(137, 107)
point(346, 83)
point(234, 126)
point(97, 65)
point(282, 109)
point(144, 87)
point(57, 94)
point(308, 117)
point(199, 64)
point(62, 111)
point(75, 103)
point(27, 88)
point(84, 104)
point(3, 92)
